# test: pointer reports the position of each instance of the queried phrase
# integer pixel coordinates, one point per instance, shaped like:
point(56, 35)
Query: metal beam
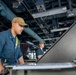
point(50, 12)
point(60, 29)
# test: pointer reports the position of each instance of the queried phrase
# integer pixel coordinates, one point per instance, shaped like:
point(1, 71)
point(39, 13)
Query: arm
point(39, 53)
point(1, 67)
point(2, 42)
point(21, 60)
point(1, 45)
point(20, 56)
point(39, 56)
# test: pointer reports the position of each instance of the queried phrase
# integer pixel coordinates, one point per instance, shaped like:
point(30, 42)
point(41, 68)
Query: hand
point(1, 66)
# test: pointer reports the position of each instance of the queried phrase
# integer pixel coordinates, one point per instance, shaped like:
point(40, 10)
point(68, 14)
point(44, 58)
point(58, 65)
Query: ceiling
point(49, 19)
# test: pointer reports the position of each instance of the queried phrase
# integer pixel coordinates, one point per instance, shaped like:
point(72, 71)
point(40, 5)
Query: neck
point(13, 33)
point(41, 47)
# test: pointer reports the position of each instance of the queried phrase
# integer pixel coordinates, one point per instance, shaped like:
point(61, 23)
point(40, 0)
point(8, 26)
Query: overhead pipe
point(33, 34)
point(8, 14)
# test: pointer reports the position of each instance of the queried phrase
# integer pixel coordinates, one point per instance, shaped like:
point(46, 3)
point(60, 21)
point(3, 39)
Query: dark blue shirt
point(39, 52)
point(8, 51)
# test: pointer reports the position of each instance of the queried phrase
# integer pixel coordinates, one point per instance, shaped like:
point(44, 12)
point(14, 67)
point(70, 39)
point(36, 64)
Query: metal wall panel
point(64, 50)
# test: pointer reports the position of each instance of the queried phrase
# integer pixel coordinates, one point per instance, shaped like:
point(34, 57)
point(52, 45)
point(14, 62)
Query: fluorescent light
point(50, 12)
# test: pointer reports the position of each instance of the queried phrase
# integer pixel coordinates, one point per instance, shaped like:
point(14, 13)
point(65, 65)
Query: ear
point(13, 24)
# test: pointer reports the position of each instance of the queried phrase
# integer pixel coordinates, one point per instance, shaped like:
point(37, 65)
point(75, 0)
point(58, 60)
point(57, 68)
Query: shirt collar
point(10, 34)
point(41, 48)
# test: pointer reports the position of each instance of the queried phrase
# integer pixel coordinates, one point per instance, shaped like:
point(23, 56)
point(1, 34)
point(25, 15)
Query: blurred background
point(47, 20)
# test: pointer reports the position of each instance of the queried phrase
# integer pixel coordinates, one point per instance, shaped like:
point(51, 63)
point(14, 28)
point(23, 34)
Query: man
point(40, 51)
point(10, 45)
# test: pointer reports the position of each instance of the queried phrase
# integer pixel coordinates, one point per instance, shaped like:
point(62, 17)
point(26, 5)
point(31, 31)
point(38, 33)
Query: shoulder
point(4, 32)
point(39, 49)
point(39, 52)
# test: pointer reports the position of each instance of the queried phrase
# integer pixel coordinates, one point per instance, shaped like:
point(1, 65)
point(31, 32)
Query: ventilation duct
point(8, 14)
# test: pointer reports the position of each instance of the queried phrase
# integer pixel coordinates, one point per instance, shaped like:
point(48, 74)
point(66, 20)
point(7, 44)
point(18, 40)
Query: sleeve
point(19, 53)
point(1, 43)
point(39, 52)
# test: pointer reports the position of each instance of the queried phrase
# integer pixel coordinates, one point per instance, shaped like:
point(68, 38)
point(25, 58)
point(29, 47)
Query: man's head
point(18, 25)
point(41, 44)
